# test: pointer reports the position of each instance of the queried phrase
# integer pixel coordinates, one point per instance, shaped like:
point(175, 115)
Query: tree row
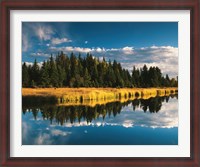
point(77, 71)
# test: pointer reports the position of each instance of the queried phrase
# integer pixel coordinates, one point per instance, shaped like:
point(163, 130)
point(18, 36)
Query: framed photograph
point(100, 83)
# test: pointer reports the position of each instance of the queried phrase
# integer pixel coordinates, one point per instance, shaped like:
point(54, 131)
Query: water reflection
point(127, 123)
point(72, 114)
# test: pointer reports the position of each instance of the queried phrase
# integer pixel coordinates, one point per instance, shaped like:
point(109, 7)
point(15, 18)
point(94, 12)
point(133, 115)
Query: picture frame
point(7, 6)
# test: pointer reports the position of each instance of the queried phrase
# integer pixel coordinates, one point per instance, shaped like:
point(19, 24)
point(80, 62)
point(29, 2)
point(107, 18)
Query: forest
point(77, 71)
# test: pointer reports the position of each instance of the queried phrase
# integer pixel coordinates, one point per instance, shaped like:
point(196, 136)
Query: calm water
point(139, 122)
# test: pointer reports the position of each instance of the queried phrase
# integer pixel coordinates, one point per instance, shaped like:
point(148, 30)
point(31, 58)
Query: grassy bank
point(92, 96)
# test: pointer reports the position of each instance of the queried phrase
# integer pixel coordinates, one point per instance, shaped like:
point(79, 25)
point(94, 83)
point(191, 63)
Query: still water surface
point(138, 122)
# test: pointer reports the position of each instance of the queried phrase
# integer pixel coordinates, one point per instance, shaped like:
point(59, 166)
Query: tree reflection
point(72, 114)
point(152, 104)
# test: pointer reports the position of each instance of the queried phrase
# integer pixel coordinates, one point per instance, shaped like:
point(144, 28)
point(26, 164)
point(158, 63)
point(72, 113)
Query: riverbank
point(90, 96)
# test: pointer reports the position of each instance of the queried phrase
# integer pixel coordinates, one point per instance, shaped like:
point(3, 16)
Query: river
point(138, 122)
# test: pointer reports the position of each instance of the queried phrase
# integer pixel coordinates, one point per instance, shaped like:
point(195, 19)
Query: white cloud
point(128, 50)
point(98, 124)
point(127, 123)
point(166, 118)
point(113, 49)
point(71, 49)
point(165, 57)
point(43, 32)
point(56, 41)
point(99, 50)
point(43, 138)
point(28, 63)
point(25, 43)
point(57, 132)
point(84, 50)
point(40, 54)
point(25, 130)
point(31, 63)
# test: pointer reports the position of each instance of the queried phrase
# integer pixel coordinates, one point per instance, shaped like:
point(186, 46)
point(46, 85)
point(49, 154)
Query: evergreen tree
point(136, 77)
point(61, 75)
point(45, 80)
point(67, 71)
point(35, 74)
point(25, 76)
point(110, 77)
point(167, 81)
point(87, 78)
point(53, 73)
point(144, 77)
point(73, 65)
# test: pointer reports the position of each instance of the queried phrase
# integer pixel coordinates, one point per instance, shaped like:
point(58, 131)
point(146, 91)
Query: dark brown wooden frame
point(7, 5)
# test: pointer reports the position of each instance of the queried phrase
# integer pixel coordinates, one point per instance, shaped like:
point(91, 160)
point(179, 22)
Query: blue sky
point(131, 43)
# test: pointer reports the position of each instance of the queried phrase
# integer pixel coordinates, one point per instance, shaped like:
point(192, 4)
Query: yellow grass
point(93, 96)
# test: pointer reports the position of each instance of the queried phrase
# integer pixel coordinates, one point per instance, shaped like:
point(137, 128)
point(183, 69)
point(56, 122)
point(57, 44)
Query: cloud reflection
point(166, 118)
point(42, 132)
point(144, 113)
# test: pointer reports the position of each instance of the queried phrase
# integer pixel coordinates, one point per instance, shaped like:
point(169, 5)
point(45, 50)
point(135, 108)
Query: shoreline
point(92, 96)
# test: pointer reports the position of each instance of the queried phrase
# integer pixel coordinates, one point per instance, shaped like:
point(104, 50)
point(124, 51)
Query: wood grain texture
point(6, 6)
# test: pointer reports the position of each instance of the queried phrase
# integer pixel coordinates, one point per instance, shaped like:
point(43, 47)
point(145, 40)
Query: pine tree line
point(72, 71)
